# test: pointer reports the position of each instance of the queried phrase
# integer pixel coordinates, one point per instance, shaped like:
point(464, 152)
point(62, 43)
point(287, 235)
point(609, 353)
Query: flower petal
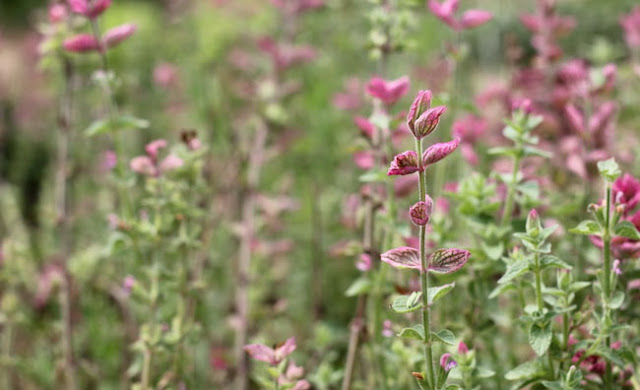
point(437, 152)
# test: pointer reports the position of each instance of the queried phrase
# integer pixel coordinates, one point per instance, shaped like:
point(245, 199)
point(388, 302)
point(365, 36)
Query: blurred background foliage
point(197, 37)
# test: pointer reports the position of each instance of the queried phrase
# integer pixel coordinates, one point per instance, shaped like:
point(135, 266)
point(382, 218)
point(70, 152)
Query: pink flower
point(389, 92)
point(446, 10)
point(364, 159)
point(81, 43)
point(470, 129)
point(631, 25)
point(474, 18)
point(421, 212)
point(285, 56)
point(57, 13)
point(447, 364)
point(88, 8)
point(165, 75)
point(114, 36)
point(387, 329)
point(615, 267)
point(150, 166)
point(272, 356)
point(626, 190)
point(367, 128)
point(127, 284)
point(462, 348)
point(365, 263)
point(404, 163)
point(109, 160)
point(437, 152)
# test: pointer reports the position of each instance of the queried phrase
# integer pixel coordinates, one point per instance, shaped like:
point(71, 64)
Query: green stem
point(424, 278)
point(540, 302)
point(508, 207)
point(606, 288)
point(146, 368)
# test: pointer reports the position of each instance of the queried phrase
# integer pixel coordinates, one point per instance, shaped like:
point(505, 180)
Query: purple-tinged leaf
point(404, 163)
point(402, 257)
point(437, 152)
point(448, 260)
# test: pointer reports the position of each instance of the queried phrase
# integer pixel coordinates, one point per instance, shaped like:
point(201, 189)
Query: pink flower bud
point(57, 13)
point(474, 18)
point(575, 118)
point(404, 163)
point(389, 92)
point(387, 330)
point(364, 159)
point(420, 104)
point(462, 348)
point(81, 43)
point(118, 34)
point(165, 75)
point(421, 212)
point(439, 151)
point(428, 122)
point(127, 284)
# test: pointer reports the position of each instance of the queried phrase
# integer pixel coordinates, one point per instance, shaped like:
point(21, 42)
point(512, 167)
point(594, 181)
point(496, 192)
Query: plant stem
point(508, 206)
point(539, 301)
point(67, 332)
point(244, 257)
point(424, 277)
point(606, 288)
point(146, 368)
point(354, 338)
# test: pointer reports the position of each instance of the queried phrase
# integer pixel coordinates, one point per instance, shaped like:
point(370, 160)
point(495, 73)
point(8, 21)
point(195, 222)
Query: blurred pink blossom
point(90, 9)
point(631, 25)
point(81, 43)
point(446, 10)
point(57, 13)
point(116, 35)
point(149, 165)
point(389, 92)
point(165, 75)
point(269, 355)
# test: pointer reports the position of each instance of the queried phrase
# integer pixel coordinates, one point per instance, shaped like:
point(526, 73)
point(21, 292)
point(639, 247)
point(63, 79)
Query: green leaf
point(494, 252)
point(577, 286)
point(358, 287)
point(374, 177)
point(407, 303)
point(444, 336)
point(553, 261)
point(124, 122)
point(514, 270)
point(587, 227)
point(557, 385)
point(540, 338)
point(415, 333)
point(609, 169)
point(531, 151)
point(626, 229)
point(435, 293)
point(501, 289)
point(483, 373)
point(617, 300)
point(526, 370)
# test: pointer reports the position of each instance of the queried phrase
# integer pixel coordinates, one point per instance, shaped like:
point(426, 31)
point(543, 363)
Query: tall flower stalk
point(422, 120)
